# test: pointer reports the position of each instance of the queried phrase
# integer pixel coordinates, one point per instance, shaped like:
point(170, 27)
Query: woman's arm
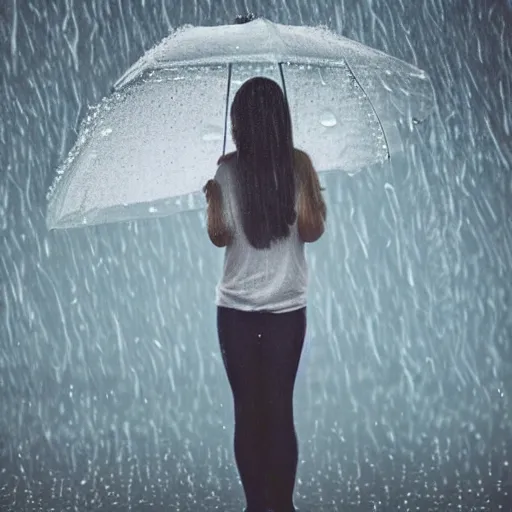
point(311, 208)
point(218, 232)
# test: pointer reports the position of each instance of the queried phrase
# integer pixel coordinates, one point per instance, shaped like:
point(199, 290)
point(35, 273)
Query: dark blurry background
point(113, 395)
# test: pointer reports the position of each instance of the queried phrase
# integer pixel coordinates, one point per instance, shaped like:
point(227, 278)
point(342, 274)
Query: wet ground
point(161, 480)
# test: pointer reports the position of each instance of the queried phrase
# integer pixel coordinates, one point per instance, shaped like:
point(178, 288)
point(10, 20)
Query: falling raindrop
point(404, 400)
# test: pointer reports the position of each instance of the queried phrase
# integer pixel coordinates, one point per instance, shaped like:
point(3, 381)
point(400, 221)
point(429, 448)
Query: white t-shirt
point(273, 279)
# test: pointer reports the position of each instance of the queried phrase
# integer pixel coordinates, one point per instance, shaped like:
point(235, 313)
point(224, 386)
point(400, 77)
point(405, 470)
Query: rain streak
point(113, 392)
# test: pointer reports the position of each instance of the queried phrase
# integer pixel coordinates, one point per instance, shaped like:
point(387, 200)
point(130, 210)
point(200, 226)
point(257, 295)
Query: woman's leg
point(241, 353)
point(282, 341)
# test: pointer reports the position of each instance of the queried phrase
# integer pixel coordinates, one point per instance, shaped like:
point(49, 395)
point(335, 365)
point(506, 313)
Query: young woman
point(263, 205)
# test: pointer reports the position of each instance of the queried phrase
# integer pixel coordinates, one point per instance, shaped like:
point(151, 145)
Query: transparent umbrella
point(148, 148)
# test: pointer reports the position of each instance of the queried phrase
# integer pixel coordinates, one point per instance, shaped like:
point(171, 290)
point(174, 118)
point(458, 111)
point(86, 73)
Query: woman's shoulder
point(225, 166)
point(227, 158)
point(301, 156)
point(302, 163)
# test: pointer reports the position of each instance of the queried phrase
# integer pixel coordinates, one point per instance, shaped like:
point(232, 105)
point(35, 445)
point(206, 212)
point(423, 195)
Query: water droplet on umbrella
point(328, 119)
point(212, 135)
point(106, 131)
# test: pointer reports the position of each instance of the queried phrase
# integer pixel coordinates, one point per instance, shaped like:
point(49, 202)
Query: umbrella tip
point(244, 18)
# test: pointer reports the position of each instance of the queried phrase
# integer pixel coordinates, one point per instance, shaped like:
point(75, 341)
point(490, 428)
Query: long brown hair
point(262, 132)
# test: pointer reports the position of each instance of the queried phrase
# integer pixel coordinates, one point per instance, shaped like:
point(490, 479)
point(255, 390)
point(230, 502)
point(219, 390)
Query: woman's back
point(271, 204)
point(272, 279)
point(263, 205)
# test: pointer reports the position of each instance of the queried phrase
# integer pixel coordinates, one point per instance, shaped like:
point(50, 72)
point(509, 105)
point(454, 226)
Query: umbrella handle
point(284, 84)
point(239, 20)
point(230, 71)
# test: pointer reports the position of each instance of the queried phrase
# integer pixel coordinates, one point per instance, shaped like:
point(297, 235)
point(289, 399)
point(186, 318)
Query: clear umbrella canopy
point(148, 149)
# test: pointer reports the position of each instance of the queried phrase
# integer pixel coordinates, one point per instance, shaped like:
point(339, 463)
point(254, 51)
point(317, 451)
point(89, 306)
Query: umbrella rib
point(371, 104)
point(282, 79)
point(230, 69)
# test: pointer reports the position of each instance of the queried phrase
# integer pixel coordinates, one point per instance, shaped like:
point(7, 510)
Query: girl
point(264, 203)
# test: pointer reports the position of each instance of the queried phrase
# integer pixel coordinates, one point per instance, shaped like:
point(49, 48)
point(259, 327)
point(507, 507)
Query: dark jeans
point(261, 353)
